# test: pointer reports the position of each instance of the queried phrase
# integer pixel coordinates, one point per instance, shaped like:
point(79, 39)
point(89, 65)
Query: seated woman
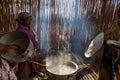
point(24, 20)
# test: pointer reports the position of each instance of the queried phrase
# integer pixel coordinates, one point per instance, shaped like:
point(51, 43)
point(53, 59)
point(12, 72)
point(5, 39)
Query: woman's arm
point(36, 37)
point(2, 33)
point(4, 48)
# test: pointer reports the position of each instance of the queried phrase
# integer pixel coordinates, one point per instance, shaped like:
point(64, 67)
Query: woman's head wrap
point(22, 16)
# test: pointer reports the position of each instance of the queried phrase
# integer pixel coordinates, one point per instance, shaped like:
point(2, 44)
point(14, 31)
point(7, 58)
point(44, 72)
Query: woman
point(110, 64)
point(24, 25)
point(5, 72)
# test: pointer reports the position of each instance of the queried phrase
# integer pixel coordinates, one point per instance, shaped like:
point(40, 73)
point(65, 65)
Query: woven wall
point(86, 17)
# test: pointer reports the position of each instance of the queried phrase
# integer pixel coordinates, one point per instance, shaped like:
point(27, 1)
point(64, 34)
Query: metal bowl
point(20, 39)
point(94, 45)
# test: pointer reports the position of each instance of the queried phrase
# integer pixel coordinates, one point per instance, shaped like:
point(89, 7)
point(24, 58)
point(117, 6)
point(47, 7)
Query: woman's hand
point(14, 46)
point(3, 48)
point(2, 33)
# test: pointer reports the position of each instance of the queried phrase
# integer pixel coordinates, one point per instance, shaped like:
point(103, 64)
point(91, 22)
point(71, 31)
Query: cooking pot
point(64, 71)
point(62, 66)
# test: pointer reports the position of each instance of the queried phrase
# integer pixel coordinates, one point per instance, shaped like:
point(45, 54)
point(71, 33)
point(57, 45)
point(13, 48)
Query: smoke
point(61, 15)
point(59, 57)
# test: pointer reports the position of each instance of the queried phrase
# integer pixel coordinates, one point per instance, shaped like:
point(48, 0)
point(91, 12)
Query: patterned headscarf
point(22, 16)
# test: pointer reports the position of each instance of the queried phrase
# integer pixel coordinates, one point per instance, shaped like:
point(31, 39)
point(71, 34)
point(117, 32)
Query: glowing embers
point(61, 64)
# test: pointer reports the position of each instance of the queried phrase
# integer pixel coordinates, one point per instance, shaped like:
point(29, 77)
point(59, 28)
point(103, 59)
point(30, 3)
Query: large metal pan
point(20, 39)
point(94, 45)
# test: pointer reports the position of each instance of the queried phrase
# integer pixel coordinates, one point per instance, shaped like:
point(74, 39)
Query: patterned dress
point(5, 72)
point(110, 65)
